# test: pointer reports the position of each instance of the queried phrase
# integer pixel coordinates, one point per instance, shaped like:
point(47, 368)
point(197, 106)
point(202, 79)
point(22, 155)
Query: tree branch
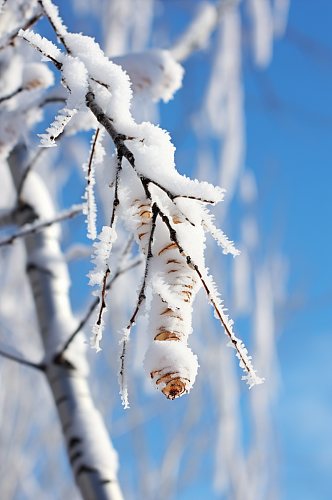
point(37, 226)
point(23, 361)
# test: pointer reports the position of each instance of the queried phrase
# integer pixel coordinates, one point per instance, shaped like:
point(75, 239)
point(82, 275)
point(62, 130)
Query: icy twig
point(220, 236)
point(90, 208)
point(52, 14)
point(141, 298)
point(106, 122)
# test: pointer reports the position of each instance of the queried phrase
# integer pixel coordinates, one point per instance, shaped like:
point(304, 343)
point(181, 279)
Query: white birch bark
point(90, 451)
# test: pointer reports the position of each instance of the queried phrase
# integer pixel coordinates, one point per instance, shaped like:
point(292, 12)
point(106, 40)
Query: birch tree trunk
point(90, 451)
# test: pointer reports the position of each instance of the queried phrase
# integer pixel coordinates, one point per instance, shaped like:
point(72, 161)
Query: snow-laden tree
point(154, 226)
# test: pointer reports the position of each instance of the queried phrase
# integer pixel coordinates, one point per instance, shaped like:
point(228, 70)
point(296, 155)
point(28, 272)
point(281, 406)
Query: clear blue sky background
point(289, 126)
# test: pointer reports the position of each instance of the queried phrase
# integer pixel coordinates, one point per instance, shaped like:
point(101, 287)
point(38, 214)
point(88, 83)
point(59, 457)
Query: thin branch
point(52, 100)
point(56, 63)
point(122, 149)
point(106, 122)
point(194, 198)
point(39, 226)
point(13, 94)
point(94, 304)
point(116, 200)
point(92, 154)
point(22, 361)
point(107, 270)
point(29, 23)
point(55, 27)
point(141, 298)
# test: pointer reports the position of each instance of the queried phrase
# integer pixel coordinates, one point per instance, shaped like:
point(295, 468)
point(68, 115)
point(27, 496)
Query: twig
point(23, 361)
point(94, 305)
point(107, 270)
point(92, 153)
point(106, 122)
point(13, 94)
point(39, 226)
point(141, 298)
point(55, 26)
point(56, 63)
point(194, 198)
point(52, 100)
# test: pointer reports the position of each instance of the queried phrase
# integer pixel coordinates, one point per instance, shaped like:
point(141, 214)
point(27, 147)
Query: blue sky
point(289, 140)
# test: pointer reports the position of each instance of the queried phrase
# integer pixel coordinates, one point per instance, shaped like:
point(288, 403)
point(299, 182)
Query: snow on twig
point(97, 153)
point(219, 236)
point(145, 185)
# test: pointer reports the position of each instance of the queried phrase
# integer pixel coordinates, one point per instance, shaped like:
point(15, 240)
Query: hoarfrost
point(96, 156)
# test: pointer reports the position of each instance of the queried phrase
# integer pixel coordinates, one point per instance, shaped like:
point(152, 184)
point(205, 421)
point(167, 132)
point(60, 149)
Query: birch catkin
point(169, 361)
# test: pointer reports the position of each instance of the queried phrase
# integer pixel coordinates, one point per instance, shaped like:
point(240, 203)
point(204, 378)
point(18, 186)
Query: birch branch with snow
point(163, 209)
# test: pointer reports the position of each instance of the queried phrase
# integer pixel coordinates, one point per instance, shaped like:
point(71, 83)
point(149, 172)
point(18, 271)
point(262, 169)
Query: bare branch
point(38, 226)
point(52, 100)
point(13, 94)
point(22, 361)
point(92, 153)
point(194, 198)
